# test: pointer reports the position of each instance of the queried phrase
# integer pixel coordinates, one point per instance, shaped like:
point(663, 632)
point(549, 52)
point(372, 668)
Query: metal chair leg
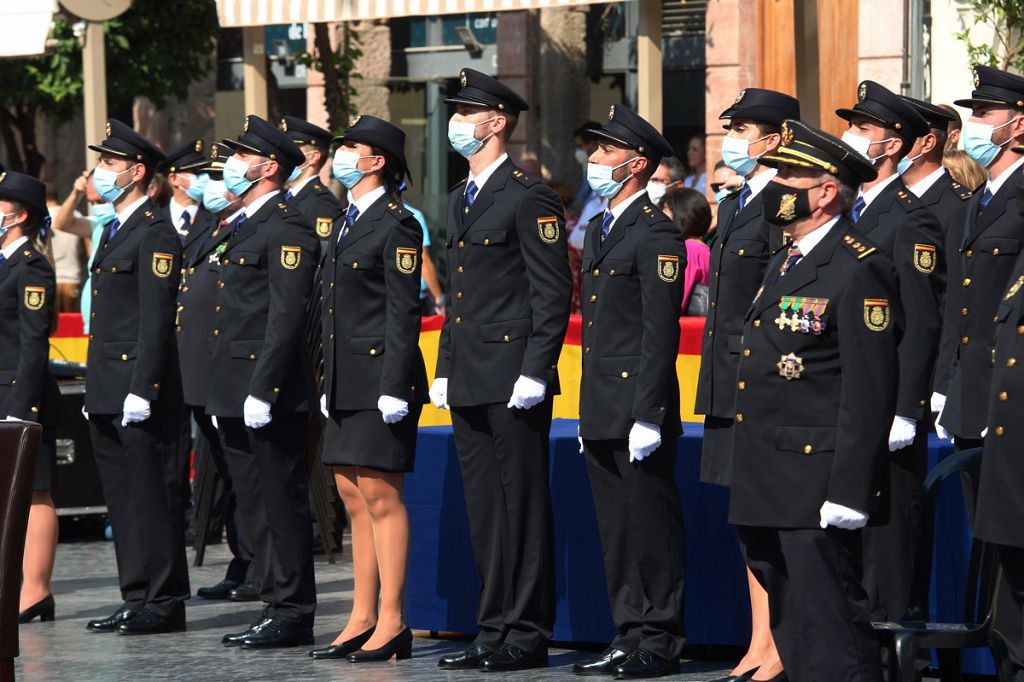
point(905, 659)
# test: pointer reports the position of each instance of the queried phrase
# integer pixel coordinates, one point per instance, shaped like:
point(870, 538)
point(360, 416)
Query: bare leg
point(366, 587)
point(761, 653)
point(40, 549)
point(382, 493)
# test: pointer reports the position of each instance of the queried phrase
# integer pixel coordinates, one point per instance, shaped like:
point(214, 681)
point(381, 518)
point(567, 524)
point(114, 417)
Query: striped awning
point(264, 12)
point(24, 28)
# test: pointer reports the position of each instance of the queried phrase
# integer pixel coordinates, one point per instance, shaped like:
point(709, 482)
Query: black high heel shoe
point(343, 649)
point(43, 608)
point(739, 678)
point(400, 647)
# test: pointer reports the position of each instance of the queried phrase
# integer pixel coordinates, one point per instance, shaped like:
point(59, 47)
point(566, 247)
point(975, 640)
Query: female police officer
point(27, 391)
point(375, 381)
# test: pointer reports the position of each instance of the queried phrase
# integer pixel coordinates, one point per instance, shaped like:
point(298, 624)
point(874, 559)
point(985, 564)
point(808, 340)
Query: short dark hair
point(690, 211)
point(957, 122)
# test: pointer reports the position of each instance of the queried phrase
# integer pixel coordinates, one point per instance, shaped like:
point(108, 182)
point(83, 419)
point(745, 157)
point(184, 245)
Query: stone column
point(517, 66)
point(562, 94)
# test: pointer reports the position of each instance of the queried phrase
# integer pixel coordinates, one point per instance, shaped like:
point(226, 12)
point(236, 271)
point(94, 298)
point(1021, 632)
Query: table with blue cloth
point(442, 585)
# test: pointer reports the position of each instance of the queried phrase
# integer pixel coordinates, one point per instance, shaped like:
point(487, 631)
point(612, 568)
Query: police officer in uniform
point(982, 245)
point(633, 260)
point(922, 171)
point(817, 385)
point(1000, 505)
point(28, 391)
point(195, 324)
point(883, 127)
point(740, 250)
point(375, 380)
point(133, 389)
point(184, 168)
point(261, 382)
point(306, 191)
point(510, 288)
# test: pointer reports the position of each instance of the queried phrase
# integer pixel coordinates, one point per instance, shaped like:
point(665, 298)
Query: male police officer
point(261, 383)
point(306, 191)
point(740, 250)
point(633, 260)
point(509, 290)
point(133, 389)
point(195, 323)
point(981, 248)
point(816, 396)
point(183, 167)
point(883, 127)
point(922, 170)
point(1000, 505)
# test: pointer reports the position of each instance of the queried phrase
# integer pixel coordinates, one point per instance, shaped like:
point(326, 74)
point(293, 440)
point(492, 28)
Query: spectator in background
point(160, 191)
point(695, 159)
point(70, 252)
point(431, 294)
point(964, 169)
point(691, 213)
point(576, 232)
point(588, 203)
point(953, 128)
point(724, 181)
point(531, 164)
point(667, 175)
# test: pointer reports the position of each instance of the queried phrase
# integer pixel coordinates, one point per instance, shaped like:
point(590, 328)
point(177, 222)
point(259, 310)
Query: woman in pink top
point(691, 213)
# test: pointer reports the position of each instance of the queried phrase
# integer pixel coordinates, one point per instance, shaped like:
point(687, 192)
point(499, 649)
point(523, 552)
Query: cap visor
point(235, 144)
point(605, 134)
point(107, 150)
point(471, 102)
point(968, 103)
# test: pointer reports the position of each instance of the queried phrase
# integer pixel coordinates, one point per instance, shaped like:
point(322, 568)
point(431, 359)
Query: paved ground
point(85, 587)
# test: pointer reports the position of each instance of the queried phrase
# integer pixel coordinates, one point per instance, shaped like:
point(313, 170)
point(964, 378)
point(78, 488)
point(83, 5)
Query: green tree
point(1006, 49)
point(338, 71)
point(155, 50)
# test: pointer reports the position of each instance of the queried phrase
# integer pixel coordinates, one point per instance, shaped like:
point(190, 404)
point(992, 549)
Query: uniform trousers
point(241, 568)
point(819, 611)
point(504, 457)
point(271, 481)
point(1009, 615)
point(889, 548)
point(138, 469)
point(640, 520)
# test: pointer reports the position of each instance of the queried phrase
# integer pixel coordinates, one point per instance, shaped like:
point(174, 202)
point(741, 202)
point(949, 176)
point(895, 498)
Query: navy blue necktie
point(2, 258)
point(858, 208)
point(744, 197)
point(113, 229)
point(350, 220)
point(288, 195)
point(985, 198)
point(606, 224)
point(238, 223)
point(470, 195)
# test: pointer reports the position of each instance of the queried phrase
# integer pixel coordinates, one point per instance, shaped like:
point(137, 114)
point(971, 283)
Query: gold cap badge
point(862, 92)
point(199, 146)
point(739, 97)
point(108, 128)
point(462, 79)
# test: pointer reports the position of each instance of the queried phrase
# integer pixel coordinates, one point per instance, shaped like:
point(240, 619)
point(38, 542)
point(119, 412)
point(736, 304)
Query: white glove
point(439, 393)
point(393, 410)
point(579, 438)
point(902, 433)
point(644, 438)
point(984, 431)
point(135, 410)
point(838, 516)
point(11, 419)
point(213, 420)
point(527, 392)
point(938, 402)
point(256, 412)
point(84, 413)
point(323, 406)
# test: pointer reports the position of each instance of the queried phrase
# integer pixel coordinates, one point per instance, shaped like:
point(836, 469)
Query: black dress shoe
point(510, 657)
point(400, 647)
point(113, 621)
point(245, 592)
point(745, 677)
point(150, 622)
point(43, 608)
point(469, 658)
point(343, 649)
point(236, 638)
point(221, 590)
point(643, 664)
point(279, 634)
point(603, 665)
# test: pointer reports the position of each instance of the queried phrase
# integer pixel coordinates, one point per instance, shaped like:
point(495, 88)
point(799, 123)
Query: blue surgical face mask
point(213, 196)
point(977, 139)
point(195, 186)
point(345, 168)
point(600, 179)
point(297, 171)
point(462, 135)
point(736, 154)
point(235, 170)
point(104, 213)
point(721, 194)
point(105, 182)
point(3, 226)
point(906, 162)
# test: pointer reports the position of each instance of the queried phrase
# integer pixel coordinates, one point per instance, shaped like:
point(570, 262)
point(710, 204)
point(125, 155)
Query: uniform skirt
point(360, 438)
point(46, 461)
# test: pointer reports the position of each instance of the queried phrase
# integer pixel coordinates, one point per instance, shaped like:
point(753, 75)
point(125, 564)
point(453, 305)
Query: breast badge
point(668, 268)
point(323, 227)
point(35, 297)
point(790, 367)
point(162, 264)
point(405, 260)
point(806, 314)
point(290, 257)
point(876, 314)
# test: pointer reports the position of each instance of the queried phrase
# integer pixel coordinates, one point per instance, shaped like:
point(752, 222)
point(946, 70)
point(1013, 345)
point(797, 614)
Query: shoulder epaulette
point(397, 210)
point(909, 200)
point(860, 246)
point(523, 178)
point(458, 184)
point(153, 217)
point(961, 191)
point(282, 206)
